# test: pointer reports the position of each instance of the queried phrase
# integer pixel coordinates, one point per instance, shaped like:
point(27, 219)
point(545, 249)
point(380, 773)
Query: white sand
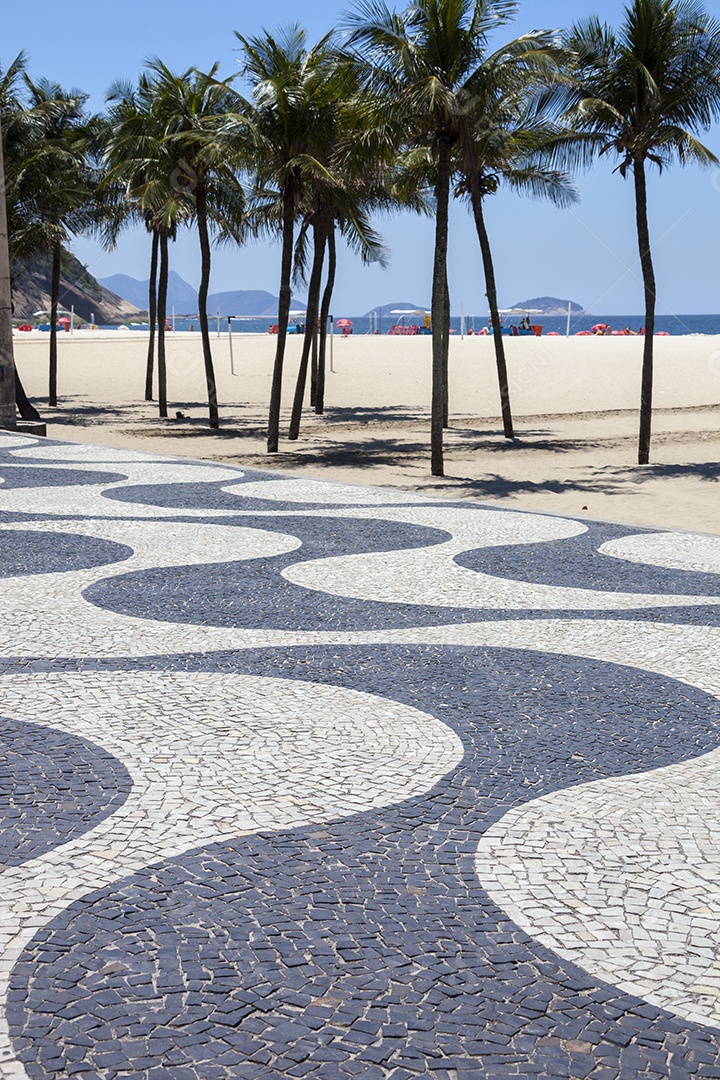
point(575, 402)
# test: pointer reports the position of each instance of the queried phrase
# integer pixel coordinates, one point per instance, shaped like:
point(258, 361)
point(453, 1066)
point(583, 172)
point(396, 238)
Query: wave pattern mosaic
point(308, 780)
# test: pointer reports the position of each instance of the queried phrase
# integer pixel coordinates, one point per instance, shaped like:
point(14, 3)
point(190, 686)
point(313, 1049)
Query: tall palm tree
point(281, 130)
point(195, 107)
point(62, 183)
point(418, 63)
point(507, 139)
point(644, 92)
point(25, 234)
point(139, 159)
point(7, 362)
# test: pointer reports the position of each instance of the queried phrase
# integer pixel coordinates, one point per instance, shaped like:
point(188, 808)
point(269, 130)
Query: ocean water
point(677, 325)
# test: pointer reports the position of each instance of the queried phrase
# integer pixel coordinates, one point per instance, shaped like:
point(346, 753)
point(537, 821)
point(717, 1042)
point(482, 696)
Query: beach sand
point(575, 403)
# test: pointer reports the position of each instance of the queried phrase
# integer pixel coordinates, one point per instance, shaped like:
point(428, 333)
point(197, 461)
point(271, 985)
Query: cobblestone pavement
point(309, 780)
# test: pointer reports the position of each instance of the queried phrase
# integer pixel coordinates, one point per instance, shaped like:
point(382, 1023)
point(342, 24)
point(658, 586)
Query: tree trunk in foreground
point(324, 315)
point(201, 209)
point(311, 318)
point(162, 316)
point(650, 296)
point(314, 367)
point(446, 357)
point(440, 327)
point(24, 406)
point(8, 381)
point(54, 298)
point(152, 315)
point(273, 435)
point(491, 289)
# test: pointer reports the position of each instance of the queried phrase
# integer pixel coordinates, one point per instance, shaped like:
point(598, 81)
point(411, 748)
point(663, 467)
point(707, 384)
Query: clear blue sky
point(588, 254)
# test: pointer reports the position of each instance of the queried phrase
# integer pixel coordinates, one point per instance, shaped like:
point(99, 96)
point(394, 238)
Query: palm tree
point(195, 107)
point(138, 157)
point(418, 63)
point(7, 363)
point(644, 92)
point(25, 237)
point(62, 184)
point(506, 140)
point(290, 117)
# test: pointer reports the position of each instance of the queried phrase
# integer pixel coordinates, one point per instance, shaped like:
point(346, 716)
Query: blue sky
point(588, 253)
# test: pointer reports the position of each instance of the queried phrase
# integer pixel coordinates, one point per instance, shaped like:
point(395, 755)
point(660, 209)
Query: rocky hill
point(549, 305)
point(78, 289)
point(183, 297)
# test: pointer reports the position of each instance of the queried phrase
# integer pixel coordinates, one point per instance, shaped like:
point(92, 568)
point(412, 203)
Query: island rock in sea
point(549, 305)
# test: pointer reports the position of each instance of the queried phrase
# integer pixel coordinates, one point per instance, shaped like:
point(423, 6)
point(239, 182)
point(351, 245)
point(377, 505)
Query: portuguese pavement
point(304, 779)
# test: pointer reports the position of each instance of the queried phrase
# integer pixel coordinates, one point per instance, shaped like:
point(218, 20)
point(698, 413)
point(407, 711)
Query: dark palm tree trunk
point(201, 211)
point(314, 367)
point(8, 396)
point(324, 315)
point(491, 289)
point(311, 318)
point(446, 358)
point(440, 323)
point(24, 406)
point(650, 295)
point(273, 436)
point(54, 298)
point(152, 314)
point(162, 313)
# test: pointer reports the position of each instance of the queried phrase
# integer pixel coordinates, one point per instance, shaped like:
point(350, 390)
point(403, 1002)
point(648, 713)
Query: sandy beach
point(575, 402)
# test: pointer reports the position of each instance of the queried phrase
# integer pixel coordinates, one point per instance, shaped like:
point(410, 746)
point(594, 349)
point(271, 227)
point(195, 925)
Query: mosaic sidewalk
point(310, 780)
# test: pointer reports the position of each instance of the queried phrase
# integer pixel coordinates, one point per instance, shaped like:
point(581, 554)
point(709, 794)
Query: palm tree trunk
point(162, 314)
point(201, 212)
point(650, 296)
point(24, 406)
point(8, 380)
point(324, 315)
point(440, 322)
point(54, 298)
point(273, 435)
point(314, 367)
point(446, 358)
point(152, 315)
point(491, 289)
point(311, 318)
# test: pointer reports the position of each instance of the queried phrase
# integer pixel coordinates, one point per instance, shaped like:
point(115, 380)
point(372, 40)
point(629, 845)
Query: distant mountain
point(386, 310)
point(78, 290)
point(550, 305)
point(183, 297)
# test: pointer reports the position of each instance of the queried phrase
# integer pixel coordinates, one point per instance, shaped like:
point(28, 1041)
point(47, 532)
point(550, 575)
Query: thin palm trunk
point(54, 299)
point(273, 435)
point(152, 314)
point(8, 396)
point(201, 212)
point(311, 318)
point(648, 273)
point(446, 357)
point(314, 367)
point(440, 323)
point(162, 312)
point(491, 289)
point(324, 315)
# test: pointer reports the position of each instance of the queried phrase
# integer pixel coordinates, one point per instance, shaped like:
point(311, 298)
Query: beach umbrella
point(342, 323)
